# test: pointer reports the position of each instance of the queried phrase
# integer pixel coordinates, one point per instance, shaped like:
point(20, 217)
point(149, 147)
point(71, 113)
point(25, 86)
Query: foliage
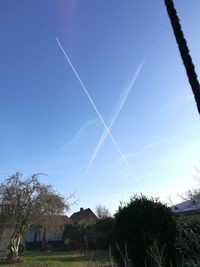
point(99, 235)
point(74, 234)
point(140, 225)
point(189, 224)
point(104, 232)
point(189, 237)
point(27, 202)
point(102, 212)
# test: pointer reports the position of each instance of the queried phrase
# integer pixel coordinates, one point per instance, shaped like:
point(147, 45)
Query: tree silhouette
point(184, 51)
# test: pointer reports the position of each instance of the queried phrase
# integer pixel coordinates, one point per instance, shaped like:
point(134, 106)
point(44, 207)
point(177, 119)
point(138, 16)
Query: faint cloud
point(188, 99)
point(119, 196)
point(182, 100)
point(145, 148)
point(79, 132)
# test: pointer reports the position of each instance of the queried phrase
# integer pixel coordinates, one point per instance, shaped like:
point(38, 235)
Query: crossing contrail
point(98, 113)
point(122, 100)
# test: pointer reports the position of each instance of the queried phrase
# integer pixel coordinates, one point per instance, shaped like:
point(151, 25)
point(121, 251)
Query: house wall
point(52, 236)
point(88, 219)
point(5, 236)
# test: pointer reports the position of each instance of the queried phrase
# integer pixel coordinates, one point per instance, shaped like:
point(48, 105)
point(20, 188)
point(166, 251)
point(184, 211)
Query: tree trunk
point(44, 238)
point(13, 247)
point(184, 51)
point(35, 235)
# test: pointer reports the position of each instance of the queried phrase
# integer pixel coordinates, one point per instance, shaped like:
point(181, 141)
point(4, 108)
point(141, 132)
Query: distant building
point(188, 206)
point(188, 210)
point(84, 217)
point(36, 233)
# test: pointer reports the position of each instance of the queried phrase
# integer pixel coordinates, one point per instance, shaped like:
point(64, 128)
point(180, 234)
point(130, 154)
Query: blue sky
point(49, 125)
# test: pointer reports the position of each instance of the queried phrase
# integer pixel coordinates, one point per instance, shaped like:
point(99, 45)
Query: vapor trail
point(98, 113)
point(119, 106)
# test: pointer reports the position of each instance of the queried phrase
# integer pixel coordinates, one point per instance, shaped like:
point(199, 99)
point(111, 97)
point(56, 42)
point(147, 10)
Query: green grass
point(62, 259)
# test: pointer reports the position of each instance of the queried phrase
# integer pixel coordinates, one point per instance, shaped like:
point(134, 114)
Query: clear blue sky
point(47, 122)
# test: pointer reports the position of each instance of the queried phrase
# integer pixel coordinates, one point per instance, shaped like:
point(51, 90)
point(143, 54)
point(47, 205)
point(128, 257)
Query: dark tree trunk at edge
point(184, 51)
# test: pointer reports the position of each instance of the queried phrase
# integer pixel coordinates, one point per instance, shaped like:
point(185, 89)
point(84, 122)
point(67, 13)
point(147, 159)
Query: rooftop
point(186, 206)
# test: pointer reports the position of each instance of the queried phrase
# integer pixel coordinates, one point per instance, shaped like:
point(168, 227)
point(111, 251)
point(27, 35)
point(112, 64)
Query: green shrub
point(74, 233)
point(104, 232)
point(189, 238)
point(145, 231)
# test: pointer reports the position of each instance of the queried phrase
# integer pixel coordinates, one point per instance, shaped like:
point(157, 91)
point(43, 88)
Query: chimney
point(81, 209)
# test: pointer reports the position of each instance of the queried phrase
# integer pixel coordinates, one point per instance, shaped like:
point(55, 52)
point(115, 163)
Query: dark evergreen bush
point(104, 231)
point(189, 237)
point(74, 234)
point(145, 231)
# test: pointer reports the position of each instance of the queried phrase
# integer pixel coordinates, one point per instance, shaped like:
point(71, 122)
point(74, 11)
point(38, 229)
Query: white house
point(187, 206)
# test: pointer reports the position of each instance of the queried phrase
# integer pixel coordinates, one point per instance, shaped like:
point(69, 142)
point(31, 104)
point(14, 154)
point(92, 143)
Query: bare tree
point(102, 212)
point(28, 202)
point(194, 194)
point(184, 51)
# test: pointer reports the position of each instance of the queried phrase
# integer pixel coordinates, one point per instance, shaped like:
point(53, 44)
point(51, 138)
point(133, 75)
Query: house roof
point(77, 216)
point(62, 219)
point(66, 219)
point(187, 206)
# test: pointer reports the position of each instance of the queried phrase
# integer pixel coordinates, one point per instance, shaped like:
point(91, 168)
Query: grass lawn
point(63, 259)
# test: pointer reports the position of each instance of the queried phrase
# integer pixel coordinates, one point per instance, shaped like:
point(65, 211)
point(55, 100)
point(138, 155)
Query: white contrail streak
point(99, 115)
point(122, 100)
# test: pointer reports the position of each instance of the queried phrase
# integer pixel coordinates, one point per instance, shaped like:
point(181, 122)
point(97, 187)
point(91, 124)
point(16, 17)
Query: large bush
point(104, 231)
point(189, 237)
point(73, 235)
point(145, 232)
